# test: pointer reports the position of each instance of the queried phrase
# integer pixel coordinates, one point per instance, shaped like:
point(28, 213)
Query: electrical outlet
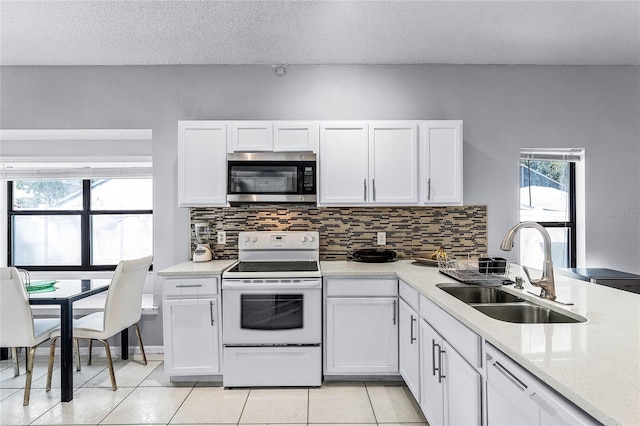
point(382, 238)
point(222, 237)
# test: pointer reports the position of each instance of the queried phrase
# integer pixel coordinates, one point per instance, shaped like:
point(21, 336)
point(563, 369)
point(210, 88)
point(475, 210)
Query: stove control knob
point(254, 238)
point(311, 238)
point(303, 238)
point(246, 239)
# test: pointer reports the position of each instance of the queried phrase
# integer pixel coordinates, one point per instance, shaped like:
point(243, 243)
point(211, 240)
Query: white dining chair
point(18, 328)
point(123, 308)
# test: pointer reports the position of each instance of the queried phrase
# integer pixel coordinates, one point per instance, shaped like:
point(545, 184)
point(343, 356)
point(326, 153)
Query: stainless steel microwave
point(275, 177)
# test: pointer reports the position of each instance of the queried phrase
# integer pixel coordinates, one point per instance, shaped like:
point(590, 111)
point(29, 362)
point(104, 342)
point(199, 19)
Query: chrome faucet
point(546, 282)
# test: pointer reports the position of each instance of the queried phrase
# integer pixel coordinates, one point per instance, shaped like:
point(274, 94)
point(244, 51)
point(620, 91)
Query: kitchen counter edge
point(213, 267)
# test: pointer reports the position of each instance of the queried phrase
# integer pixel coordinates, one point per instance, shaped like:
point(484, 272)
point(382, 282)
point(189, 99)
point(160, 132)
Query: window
point(548, 196)
point(79, 224)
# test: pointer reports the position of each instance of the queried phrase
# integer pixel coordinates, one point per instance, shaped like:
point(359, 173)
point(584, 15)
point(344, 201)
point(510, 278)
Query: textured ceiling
point(147, 32)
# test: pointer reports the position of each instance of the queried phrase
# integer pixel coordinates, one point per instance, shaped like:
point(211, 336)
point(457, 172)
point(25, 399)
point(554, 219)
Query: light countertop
point(213, 267)
point(596, 364)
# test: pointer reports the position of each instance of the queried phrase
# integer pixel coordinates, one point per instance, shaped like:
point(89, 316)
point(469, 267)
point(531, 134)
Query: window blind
point(75, 154)
point(55, 171)
point(574, 155)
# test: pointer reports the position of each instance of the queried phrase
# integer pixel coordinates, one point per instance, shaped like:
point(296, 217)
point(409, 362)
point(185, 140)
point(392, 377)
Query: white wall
point(504, 108)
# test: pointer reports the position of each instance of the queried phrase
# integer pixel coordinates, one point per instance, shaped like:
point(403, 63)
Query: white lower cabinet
point(361, 331)
point(450, 387)
point(362, 335)
point(191, 325)
point(516, 397)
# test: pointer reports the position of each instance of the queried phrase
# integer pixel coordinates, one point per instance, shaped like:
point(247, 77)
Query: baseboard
point(98, 350)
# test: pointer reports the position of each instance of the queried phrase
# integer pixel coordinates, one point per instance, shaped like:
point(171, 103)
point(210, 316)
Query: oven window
point(258, 179)
point(271, 311)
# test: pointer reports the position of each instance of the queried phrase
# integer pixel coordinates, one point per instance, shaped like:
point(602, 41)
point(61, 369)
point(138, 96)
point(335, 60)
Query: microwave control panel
point(308, 180)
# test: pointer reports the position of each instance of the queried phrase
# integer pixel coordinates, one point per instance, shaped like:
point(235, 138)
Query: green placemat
point(41, 286)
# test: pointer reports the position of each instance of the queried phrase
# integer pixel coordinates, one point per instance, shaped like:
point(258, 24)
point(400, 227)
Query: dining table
point(64, 294)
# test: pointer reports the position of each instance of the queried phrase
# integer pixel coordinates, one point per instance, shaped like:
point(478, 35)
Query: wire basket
point(484, 271)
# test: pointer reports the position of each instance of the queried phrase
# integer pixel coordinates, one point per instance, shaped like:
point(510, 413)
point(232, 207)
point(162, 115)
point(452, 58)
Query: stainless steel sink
point(525, 313)
point(501, 305)
point(471, 294)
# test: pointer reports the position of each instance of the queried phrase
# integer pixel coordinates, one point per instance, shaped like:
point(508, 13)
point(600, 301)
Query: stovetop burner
point(291, 266)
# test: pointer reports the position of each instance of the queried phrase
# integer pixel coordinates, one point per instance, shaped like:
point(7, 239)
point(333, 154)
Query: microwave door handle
point(300, 180)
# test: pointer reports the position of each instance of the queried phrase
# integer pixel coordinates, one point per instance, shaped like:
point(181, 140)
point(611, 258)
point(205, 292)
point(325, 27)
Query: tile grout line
point(118, 404)
point(182, 403)
point(366, 387)
point(244, 405)
point(60, 402)
point(128, 395)
point(308, 403)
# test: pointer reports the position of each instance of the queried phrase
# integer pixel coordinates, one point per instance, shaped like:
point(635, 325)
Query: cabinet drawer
point(410, 295)
point(361, 287)
point(465, 341)
point(191, 286)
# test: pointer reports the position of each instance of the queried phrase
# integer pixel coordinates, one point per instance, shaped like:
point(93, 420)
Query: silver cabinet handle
point(513, 379)
point(440, 375)
point(412, 339)
point(211, 310)
point(433, 356)
point(394, 312)
point(429, 189)
point(188, 285)
point(365, 189)
point(373, 182)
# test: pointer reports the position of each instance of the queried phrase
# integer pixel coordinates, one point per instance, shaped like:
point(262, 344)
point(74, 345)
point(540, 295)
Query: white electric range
point(272, 311)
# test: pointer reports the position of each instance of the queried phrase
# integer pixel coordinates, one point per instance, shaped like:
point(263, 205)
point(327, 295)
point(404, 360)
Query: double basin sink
point(501, 305)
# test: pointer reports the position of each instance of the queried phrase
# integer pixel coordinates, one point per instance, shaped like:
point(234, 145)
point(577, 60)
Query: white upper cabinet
point(202, 163)
point(343, 163)
point(295, 136)
point(393, 162)
point(441, 162)
point(273, 136)
point(386, 163)
point(250, 136)
point(369, 163)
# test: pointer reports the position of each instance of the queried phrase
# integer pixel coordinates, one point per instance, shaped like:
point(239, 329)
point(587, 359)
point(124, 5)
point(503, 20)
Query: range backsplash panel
point(461, 230)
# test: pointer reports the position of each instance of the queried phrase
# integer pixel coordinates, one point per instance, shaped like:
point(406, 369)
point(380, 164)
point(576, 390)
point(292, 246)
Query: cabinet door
point(431, 388)
point(409, 348)
point(202, 163)
point(295, 136)
point(362, 335)
point(344, 164)
point(393, 162)
point(250, 136)
point(441, 158)
point(462, 389)
point(191, 337)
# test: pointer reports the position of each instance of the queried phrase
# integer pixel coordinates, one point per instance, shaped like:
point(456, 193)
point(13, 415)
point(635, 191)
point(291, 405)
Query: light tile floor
point(146, 396)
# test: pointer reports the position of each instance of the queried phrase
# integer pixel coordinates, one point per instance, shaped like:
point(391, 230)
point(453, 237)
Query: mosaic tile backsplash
point(461, 230)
